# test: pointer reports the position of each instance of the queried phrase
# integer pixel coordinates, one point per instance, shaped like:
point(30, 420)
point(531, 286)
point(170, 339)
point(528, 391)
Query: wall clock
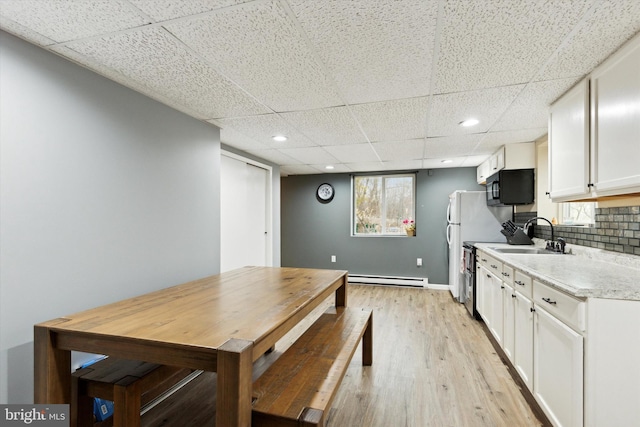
point(325, 193)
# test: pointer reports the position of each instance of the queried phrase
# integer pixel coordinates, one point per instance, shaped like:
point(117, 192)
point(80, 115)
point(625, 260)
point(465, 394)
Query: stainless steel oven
point(469, 285)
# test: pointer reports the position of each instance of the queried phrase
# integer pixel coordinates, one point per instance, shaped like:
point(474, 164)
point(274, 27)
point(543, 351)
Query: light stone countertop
point(587, 273)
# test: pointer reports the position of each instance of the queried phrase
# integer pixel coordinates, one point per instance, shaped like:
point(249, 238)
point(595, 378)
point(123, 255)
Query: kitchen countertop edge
point(597, 278)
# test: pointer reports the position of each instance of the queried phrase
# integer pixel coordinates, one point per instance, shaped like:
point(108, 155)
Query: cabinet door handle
point(513, 295)
point(489, 276)
point(548, 300)
point(518, 282)
point(501, 287)
point(532, 309)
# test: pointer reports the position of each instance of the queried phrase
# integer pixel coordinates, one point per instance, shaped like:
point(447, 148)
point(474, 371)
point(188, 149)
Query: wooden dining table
point(222, 323)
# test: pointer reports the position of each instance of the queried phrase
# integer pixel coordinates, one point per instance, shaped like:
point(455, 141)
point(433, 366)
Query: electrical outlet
point(333, 258)
point(419, 262)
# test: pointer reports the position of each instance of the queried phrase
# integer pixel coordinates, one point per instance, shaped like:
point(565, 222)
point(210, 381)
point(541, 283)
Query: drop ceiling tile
point(263, 127)
point(375, 50)
point(310, 155)
point(353, 153)
point(23, 32)
point(610, 24)
point(134, 84)
point(337, 168)
point(531, 108)
point(298, 170)
point(162, 10)
point(69, 20)
point(455, 162)
point(412, 149)
point(401, 165)
point(496, 139)
point(274, 156)
point(260, 48)
point(396, 120)
point(492, 43)
point(154, 59)
point(233, 138)
point(327, 126)
point(449, 147)
point(365, 166)
point(473, 161)
point(486, 105)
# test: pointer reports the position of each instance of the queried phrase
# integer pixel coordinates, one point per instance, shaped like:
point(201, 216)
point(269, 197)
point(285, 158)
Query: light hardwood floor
point(433, 365)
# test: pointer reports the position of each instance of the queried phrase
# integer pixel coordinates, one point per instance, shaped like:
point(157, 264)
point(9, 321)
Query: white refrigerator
point(470, 220)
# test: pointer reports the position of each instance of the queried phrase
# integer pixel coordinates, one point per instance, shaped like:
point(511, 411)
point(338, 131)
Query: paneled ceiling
point(361, 85)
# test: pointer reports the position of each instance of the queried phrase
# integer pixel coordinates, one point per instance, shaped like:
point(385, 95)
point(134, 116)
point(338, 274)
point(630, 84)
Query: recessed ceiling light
point(469, 122)
point(446, 161)
point(280, 138)
point(329, 167)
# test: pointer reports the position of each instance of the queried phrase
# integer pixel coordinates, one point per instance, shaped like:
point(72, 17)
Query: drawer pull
point(489, 276)
point(548, 300)
point(483, 259)
point(494, 266)
point(505, 274)
point(518, 282)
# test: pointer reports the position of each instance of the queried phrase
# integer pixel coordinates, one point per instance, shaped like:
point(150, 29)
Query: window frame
point(566, 206)
point(384, 176)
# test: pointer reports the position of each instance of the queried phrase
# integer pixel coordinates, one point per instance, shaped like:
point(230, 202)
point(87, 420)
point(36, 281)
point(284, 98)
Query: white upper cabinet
point(510, 156)
point(569, 144)
point(594, 132)
point(615, 123)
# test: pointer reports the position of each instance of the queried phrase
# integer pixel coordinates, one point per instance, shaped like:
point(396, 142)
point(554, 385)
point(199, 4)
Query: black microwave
point(511, 187)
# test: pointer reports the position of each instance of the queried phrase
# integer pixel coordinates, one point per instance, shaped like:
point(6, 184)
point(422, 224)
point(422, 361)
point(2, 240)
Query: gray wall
point(312, 231)
point(105, 194)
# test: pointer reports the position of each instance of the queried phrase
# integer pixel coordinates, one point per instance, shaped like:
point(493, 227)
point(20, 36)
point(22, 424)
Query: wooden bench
point(299, 387)
point(127, 383)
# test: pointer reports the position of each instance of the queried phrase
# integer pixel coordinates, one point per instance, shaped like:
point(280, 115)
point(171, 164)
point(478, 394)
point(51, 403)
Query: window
point(578, 213)
point(381, 203)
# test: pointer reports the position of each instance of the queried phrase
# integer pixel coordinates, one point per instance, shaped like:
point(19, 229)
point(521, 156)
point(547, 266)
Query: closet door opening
point(245, 198)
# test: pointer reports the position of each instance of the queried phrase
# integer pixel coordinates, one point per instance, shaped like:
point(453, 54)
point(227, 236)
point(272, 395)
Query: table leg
point(235, 385)
point(367, 344)
point(341, 294)
point(52, 368)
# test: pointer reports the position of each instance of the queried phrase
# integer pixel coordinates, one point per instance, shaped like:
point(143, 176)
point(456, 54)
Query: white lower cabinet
point(508, 329)
point(540, 331)
point(495, 290)
point(558, 369)
point(523, 336)
point(577, 356)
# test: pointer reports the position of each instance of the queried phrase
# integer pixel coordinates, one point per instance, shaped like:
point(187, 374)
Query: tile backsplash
point(616, 229)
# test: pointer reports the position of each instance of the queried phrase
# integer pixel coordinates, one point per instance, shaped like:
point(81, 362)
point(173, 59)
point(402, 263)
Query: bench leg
point(81, 410)
point(126, 405)
point(310, 417)
point(367, 343)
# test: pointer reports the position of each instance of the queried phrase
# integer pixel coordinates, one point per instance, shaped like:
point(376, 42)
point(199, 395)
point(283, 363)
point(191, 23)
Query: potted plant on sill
point(409, 227)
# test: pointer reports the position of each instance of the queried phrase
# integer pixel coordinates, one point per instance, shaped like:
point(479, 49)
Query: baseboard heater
point(415, 282)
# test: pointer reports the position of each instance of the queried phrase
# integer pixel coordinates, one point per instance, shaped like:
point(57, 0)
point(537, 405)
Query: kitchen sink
point(527, 251)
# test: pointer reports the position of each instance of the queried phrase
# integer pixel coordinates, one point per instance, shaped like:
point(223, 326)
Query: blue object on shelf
point(102, 409)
